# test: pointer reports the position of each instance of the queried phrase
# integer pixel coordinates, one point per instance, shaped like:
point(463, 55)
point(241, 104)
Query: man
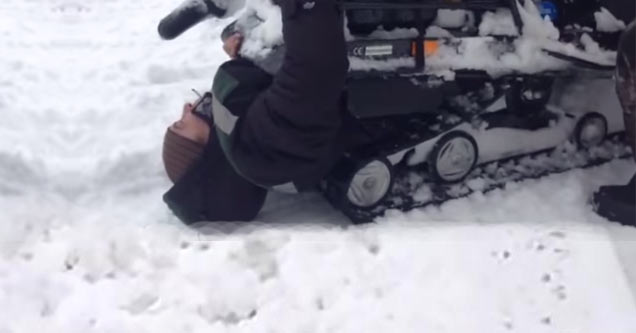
point(267, 131)
point(618, 203)
point(626, 81)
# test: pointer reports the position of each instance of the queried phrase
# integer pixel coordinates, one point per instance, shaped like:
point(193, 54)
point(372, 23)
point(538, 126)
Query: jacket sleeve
point(292, 126)
point(314, 68)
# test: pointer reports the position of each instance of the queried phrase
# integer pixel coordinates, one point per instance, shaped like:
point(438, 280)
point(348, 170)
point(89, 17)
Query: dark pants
point(213, 191)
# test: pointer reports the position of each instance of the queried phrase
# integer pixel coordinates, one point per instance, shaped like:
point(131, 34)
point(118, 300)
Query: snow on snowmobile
point(464, 95)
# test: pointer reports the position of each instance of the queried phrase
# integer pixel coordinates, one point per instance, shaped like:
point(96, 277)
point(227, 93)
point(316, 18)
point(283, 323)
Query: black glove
point(187, 15)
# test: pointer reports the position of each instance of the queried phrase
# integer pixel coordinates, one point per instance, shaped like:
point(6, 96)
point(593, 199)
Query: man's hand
point(232, 45)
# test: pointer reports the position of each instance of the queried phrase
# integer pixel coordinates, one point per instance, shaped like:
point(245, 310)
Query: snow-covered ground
point(86, 245)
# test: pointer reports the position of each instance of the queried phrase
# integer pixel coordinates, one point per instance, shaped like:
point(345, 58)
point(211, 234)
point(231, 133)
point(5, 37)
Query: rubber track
point(409, 190)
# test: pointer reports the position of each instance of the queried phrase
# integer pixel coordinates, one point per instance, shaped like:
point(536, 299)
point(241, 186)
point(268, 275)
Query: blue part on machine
point(549, 9)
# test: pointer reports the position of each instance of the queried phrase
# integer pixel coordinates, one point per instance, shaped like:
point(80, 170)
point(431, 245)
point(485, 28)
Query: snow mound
point(498, 23)
point(606, 22)
point(264, 33)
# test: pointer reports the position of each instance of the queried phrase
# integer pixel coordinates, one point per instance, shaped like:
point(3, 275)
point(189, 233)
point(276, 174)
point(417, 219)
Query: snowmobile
point(470, 119)
point(448, 131)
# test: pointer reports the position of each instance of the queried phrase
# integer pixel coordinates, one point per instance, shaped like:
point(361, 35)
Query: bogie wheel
point(369, 184)
point(453, 157)
point(591, 130)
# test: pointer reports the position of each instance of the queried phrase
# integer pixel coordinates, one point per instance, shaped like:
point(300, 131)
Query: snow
point(451, 18)
point(397, 33)
point(361, 64)
point(546, 35)
point(592, 52)
point(495, 56)
point(607, 22)
point(261, 38)
point(434, 31)
point(534, 25)
point(498, 23)
point(86, 245)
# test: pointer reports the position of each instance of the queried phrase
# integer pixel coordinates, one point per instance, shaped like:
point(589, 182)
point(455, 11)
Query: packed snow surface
point(86, 245)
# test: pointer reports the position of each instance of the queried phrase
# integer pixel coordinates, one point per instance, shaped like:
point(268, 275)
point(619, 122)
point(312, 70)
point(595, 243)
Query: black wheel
point(591, 130)
point(529, 94)
point(453, 157)
point(360, 185)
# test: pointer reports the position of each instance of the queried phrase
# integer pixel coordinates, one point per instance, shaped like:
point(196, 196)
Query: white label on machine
point(378, 50)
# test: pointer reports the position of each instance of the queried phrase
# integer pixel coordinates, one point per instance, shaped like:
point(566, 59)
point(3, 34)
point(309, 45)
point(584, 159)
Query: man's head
point(185, 139)
point(184, 143)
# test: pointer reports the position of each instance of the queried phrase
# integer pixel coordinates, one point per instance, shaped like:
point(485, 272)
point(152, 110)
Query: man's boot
point(617, 203)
